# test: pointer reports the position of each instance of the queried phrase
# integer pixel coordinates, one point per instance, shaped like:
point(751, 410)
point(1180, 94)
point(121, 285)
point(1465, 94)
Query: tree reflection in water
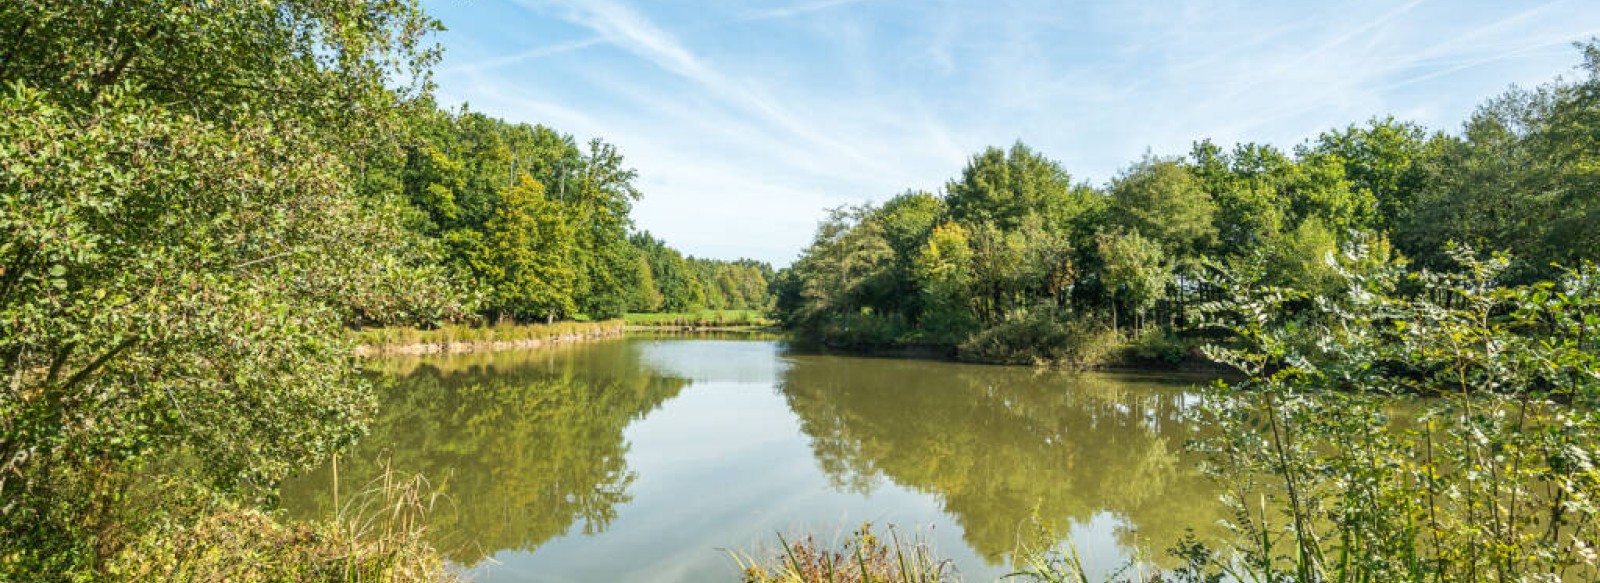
point(527, 446)
point(520, 445)
point(998, 446)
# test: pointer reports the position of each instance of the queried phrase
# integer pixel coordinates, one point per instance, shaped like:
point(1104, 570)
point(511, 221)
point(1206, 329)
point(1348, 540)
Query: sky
point(748, 119)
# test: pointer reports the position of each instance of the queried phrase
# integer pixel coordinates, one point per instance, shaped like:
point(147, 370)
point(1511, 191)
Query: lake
point(649, 458)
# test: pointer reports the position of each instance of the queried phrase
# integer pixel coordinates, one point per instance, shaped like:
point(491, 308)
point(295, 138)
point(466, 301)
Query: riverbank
point(1149, 350)
point(701, 320)
point(459, 339)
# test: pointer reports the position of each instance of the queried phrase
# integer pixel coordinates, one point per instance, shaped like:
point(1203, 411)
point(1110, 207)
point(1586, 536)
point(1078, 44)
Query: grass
point(866, 558)
point(701, 319)
point(378, 536)
point(863, 558)
point(454, 334)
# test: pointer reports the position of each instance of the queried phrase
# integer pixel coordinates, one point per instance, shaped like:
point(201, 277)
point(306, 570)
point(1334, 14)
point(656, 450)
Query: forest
point(526, 225)
point(1015, 261)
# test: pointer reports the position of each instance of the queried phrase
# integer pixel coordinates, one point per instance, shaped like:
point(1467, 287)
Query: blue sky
point(748, 118)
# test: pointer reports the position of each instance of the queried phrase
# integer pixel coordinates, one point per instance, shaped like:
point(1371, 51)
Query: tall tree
point(1163, 201)
point(526, 255)
point(1003, 186)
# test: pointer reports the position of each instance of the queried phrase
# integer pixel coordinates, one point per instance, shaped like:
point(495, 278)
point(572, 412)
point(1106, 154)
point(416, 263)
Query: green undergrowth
point(405, 336)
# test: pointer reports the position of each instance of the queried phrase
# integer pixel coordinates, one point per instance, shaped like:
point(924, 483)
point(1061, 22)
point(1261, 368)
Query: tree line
point(532, 226)
point(1015, 260)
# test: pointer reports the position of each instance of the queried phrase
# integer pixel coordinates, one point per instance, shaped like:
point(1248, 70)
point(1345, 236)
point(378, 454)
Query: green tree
point(944, 272)
point(526, 255)
point(1003, 186)
point(1164, 202)
point(177, 209)
point(1385, 158)
point(1134, 272)
point(601, 198)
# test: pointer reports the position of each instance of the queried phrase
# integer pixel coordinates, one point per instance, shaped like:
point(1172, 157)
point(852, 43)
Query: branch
point(262, 260)
point(11, 51)
point(111, 75)
point(98, 363)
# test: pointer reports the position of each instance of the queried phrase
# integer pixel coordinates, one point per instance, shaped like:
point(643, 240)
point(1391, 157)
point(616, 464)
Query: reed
point(861, 558)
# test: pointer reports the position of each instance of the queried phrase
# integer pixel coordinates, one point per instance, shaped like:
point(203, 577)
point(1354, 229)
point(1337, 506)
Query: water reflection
point(521, 445)
point(604, 459)
point(998, 446)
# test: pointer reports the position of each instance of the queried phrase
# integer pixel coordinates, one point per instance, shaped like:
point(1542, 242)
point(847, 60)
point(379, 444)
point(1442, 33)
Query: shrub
point(1041, 338)
point(1338, 470)
point(1154, 344)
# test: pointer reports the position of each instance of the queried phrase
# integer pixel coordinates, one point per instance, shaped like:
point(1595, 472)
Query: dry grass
point(863, 558)
point(378, 536)
point(460, 334)
point(702, 319)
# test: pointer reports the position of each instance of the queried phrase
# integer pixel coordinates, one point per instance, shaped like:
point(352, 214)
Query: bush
point(1154, 344)
point(380, 535)
point(865, 330)
point(1040, 338)
point(1338, 470)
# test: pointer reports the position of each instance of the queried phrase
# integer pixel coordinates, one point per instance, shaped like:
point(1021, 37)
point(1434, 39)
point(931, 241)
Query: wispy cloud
point(756, 119)
point(634, 32)
point(797, 10)
point(527, 55)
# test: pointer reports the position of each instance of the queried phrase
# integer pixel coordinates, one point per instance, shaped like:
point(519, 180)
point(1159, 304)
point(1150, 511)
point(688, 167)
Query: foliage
point(125, 319)
point(688, 284)
point(1520, 178)
point(1415, 426)
point(1166, 203)
point(1157, 346)
point(1043, 337)
point(526, 254)
point(183, 232)
point(1133, 271)
point(380, 536)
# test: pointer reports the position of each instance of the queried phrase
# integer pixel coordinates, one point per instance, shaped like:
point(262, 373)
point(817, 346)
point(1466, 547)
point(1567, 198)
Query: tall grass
point(379, 535)
point(464, 334)
point(862, 558)
point(702, 319)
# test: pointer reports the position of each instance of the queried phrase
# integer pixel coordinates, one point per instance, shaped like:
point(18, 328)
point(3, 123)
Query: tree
point(1134, 271)
point(646, 295)
point(1385, 159)
point(601, 199)
point(1003, 186)
point(1521, 178)
point(944, 272)
point(526, 255)
point(997, 269)
point(176, 209)
point(1162, 200)
point(1249, 208)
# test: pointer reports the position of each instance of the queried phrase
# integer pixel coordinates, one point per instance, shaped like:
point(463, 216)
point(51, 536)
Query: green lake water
point(648, 458)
